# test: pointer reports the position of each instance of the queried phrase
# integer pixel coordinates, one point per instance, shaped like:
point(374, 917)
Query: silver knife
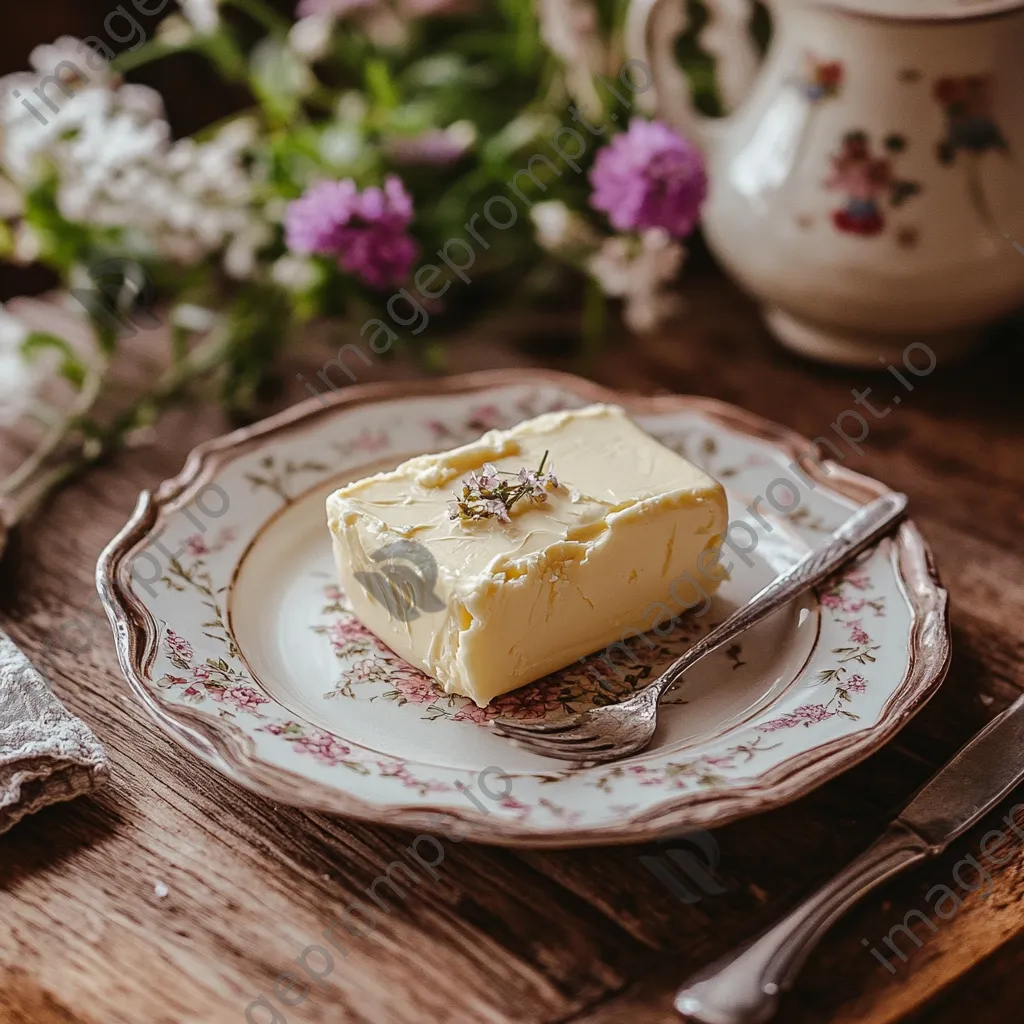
point(743, 987)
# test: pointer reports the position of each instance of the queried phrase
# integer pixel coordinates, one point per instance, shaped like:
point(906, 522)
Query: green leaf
point(62, 243)
point(71, 366)
point(380, 84)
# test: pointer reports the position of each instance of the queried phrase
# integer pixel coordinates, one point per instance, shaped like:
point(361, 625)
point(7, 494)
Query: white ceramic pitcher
point(868, 188)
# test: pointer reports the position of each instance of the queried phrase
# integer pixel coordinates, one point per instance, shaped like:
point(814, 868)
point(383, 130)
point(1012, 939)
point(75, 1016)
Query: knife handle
point(743, 986)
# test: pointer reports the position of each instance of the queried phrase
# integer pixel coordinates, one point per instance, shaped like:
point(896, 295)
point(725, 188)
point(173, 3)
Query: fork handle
point(860, 531)
point(743, 987)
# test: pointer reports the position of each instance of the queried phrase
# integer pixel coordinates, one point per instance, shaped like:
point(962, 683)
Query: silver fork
point(610, 733)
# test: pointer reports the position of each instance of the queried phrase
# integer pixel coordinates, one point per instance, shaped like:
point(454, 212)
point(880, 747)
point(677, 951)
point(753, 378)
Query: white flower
point(27, 245)
point(295, 273)
point(279, 69)
point(571, 30)
point(240, 257)
point(18, 378)
point(16, 386)
point(89, 65)
point(13, 332)
point(551, 219)
point(560, 229)
point(115, 166)
point(497, 509)
point(175, 31)
point(310, 37)
point(386, 28)
point(190, 317)
point(637, 271)
point(203, 15)
point(10, 200)
point(93, 130)
point(352, 106)
point(342, 145)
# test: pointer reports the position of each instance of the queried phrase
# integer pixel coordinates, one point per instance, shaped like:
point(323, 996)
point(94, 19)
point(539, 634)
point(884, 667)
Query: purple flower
point(650, 177)
point(498, 509)
point(538, 483)
point(365, 230)
point(487, 479)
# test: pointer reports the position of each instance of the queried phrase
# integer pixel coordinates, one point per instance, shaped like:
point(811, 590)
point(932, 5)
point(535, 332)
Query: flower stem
point(90, 391)
point(155, 49)
point(263, 14)
point(15, 510)
point(202, 360)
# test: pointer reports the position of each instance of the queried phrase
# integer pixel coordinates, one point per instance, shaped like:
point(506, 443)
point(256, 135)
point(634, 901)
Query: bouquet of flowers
point(402, 163)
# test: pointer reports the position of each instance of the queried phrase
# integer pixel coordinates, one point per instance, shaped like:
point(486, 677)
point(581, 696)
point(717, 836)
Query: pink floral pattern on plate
point(839, 596)
point(212, 679)
point(371, 670)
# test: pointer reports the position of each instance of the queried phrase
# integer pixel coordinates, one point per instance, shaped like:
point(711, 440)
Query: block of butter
point(484, 605)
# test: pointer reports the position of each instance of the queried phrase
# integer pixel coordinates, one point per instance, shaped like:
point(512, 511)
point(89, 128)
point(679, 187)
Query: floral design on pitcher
point(821, 80)
point(971, 131)
point(869, 180)
point(967, 103)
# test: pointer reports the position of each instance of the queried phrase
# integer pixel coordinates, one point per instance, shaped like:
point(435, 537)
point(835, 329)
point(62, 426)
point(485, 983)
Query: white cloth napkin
point(46, 754)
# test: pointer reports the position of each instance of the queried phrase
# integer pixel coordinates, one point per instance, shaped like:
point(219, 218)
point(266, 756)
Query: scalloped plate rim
point(227, 748)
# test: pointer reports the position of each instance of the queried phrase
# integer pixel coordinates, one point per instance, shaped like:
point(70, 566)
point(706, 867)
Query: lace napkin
point(46, 754)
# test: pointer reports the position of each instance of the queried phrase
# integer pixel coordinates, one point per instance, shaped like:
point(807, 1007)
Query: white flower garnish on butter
point(485, 495)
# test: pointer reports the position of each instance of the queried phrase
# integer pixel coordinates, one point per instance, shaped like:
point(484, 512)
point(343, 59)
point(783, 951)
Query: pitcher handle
point(652, 28)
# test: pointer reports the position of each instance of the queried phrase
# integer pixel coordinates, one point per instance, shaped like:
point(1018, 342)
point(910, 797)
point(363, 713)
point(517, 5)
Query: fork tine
point(600, 757)
point(564, 753)
point(574, 735)
point(536, 727)
point(573, 738)
point(532, 744)
point(592, 743)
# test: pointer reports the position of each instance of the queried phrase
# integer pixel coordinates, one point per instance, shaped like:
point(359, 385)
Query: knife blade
point(972, 782)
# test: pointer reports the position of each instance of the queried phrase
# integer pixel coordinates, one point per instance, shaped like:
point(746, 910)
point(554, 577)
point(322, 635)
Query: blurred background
point(193, 92)
point(250, 185)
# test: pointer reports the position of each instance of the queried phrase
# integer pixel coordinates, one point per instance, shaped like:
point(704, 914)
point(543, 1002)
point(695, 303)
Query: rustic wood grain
point(582, 936)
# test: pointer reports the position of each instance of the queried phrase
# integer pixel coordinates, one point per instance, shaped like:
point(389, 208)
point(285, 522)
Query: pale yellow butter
point(630, 523)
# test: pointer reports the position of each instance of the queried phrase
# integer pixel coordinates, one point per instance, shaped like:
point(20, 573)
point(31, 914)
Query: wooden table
point(583, 936)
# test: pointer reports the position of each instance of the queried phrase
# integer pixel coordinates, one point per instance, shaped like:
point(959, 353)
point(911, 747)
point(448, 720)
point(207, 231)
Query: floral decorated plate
point(232, 631)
